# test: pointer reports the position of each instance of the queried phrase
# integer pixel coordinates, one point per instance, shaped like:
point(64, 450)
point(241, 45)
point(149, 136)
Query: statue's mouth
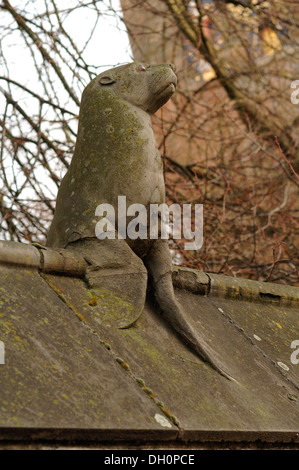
point(162, 91)
point(170, 86)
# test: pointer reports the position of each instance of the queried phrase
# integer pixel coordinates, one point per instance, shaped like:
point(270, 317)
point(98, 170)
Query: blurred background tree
point(228, 138)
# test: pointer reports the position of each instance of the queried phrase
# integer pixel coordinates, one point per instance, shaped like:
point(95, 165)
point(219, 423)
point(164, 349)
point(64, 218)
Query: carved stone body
point(116, 154)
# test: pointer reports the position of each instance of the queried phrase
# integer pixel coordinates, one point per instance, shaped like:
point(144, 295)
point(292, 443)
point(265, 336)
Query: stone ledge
point(255, 291)
point(192, 280)
point(36, 256)
point(216, 285)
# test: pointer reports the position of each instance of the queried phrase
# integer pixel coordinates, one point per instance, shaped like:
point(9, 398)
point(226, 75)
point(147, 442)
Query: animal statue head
point(145, 86)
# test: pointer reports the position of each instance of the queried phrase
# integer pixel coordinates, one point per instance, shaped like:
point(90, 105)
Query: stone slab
point(270, 328)
point(260, 402)
point(58, 376)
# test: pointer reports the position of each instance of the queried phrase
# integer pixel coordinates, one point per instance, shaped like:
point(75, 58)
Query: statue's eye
point(106, 80)
point(142, 68)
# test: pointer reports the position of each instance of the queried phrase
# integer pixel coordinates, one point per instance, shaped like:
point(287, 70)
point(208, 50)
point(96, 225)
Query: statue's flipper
point(159, 265)
point(116, 277)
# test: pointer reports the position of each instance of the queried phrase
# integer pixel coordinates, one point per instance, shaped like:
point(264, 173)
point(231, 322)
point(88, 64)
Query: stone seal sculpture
point(116, 154)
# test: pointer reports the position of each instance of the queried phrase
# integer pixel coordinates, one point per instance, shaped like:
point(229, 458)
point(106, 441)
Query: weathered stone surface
point(57, 373)
point(70, 372)
point(116, 276)
point(270, 328)
point(260, 400)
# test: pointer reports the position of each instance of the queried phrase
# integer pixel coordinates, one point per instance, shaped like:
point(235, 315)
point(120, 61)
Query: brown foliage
point(229, 136)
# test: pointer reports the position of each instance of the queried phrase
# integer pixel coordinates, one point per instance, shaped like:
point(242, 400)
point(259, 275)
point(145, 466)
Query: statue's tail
point(159, 265)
